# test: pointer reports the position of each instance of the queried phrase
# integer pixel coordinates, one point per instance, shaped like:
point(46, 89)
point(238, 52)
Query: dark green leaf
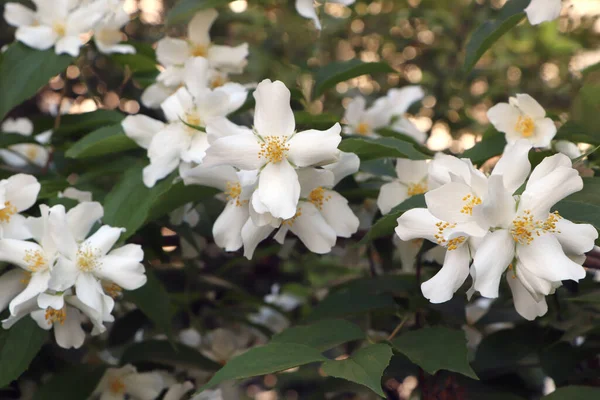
point(51, 187)
point(322, 335)
point(24, 71)
point(336, 72)
point(136, 62)
point(185, 9)
point(490, 146)
point(574, 393)
point(593, 297)
point(161, 351)
point(9, 139)
point(124, 328)
point(560, 361)
point(108, 140)
point(584, 113)
point(178, 195)
point(74, 383)
point(487, 34)
point(21, 343)
point(86, 122)
point(386, 224)
point(365, 367)
point(583, 206)
point(306, 120)
point(369, 148)
point(382, 284)
point(268, 359)
point(436, 348)
point(346, 302)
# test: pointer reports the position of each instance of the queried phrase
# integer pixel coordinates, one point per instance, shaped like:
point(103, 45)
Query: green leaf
point(85, 122)
point(370, 148)
point(583, 206)
point(592, 297)
point(346, 302)
point(178, 195)
point(161, 351)
point(153, 300)
point(24, 71)
point(137, 63)
point(51, 187)
point(74, 383)
point(574, 393)
point(268, 359)
point(336, 72)
point(436, 348)
point(365, 367)
point(386, 224)
point(185, 9)
point(9, 139)
point(584, 113)
point(487, 34)
point(21, 343)
point(490, 146)
point(108, 140)
point(322, 335)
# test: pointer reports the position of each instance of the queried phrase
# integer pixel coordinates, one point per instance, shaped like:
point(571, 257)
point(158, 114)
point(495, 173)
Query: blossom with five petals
point(412, 179)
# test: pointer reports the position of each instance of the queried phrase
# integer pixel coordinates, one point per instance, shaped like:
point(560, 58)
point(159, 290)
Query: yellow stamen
point(54, 316)
point(454, 243)
point(31, 152)
point(112, 289)
point(525, 229)
point(525, 126)
point(116, 386)
point(35, 260)
point(233, 192)
point(218, 81)
point(8, 211)
point(417, 188)
point(471, 201)
point(193, 119)
point(290, 222)
point(274, 148)
point(363, 129)
point(87, 259)
point(318, 198)
point(442, 226)
point(26, 278)
point(199, 50)
point(59, 28)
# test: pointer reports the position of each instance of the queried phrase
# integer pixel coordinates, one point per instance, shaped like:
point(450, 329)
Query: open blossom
point(412, 179)
point(398, 102)
point(19, 155)
point(306, 8)
point(365, 121)
point(540, 11)
point(107, 33)
point(17, 194)
point(523, 118)
point(126, 383)
point(276, 150)
point(57, 23)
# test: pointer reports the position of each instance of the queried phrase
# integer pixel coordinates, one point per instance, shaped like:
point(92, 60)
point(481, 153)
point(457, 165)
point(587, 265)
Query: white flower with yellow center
point(523, 118)
point(58, 23)
point(17, 194)
point(540, 11)
point(412, 179)
point(20, 155)
point(306, 8)
point(126, 383)
point(364, 121)
point(276, 150)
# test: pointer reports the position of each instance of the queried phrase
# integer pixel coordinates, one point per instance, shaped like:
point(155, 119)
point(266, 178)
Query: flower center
point(217, 81)
point(35, 260)
point(363, 128)
point(199, 50)
point(233, 192)
point(59, 28)
point(87, 259)
point(318, 197)
point(525, 229)
point(193, 119)
point(290, 222)
point(8, 211)
point(31, 152)
point(451, 244)
point(274, 148)
point(470, 202)
point(417, 188)
point(112, 289)
point(525, 126)
point(116, 386)
point(53, 316)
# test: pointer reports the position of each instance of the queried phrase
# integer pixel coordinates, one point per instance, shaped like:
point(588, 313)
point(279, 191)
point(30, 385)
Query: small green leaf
point(346, 302)
point(386, 224)
point(436, 348)
point(161, 351)
point(322, 335)
point(490, 146)
point(9, 139)
point(584, 113)
point(574, 393)
point(137, 63)
point(21, 344)
point(487, 34)
point(583, 206)
point(336, 72)
point(24, 71)
point(185, 9)
point(365, 367)
point(74, 383)
point(108, 140)
point(268, 359)
point(178, 195)
point(370, 148)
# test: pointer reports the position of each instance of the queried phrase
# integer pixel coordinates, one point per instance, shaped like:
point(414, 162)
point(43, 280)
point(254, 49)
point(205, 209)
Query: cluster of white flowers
point(490, 221)
point(66, 25)
point(173, 54)
point(64, 275)
point(19, 155)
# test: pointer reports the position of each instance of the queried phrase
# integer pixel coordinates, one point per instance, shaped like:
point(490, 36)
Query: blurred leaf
point(9, 139)
point(136, 62)
point(19, 345)
point(322, 335)
point(322, 121)
point(74, 383)
point(382, 284)
point(340, 71)
point(153, 300)
point(593, 297)
point(574, 393)
point(583, 206)
point(436, 348)
point(24, 71)
point(365, 366)
point(488, 33)
point(107, 140)
point(273, 357)
point(86, 122)
point(584, 114)
point(560, 361)
point(370, 148)
point(350, 302)
point(178, 195)
point(51, 187)
point(185, 9)
point(124, 329)
point(385, 225)
point(161, 351)
point(490, 146)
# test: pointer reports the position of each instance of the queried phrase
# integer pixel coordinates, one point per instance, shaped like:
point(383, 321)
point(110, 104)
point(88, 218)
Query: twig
point(398, 328)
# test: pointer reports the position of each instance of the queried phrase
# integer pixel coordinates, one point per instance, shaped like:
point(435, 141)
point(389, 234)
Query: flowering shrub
point(234, 199)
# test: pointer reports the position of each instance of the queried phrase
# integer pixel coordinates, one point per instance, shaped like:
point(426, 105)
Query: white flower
point(413, 179)
point(89, 264)
point(186, 213)
point(567, 148)
point(365, 121)
point(75, 194)
point(19, 155)
point(223, 344)
point(209, 395)
point(108, 35)
point(126, 383)
point(276, 150)
point(540, 11)
point(178, 391)
point(56, 23)
point(270, 318)
point(398, 102)
point(306, 8)
point(285, 301)
point(523, 118)
point(17, 193)
point(156, 93)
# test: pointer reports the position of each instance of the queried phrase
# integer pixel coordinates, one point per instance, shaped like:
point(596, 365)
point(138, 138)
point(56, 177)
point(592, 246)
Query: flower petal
point(103, 239)
point(89, 291)
point(15, 251)
point(390, 195)
point(492, 258)
point(417, 223)
point(70, 334)
point(548, 165)
point(575, 238)
point(240, 151)
point(273, 115)
point(64, 274)
point(37, 37)
point(37, 284)
point(401, 99)
point(216, 177)
point(199, 26)
point(68, 45)
point(141, 128)
point(11, 284)
point(252, 235)
point(170, 51)
point(16, 14)
point(126, 272)
point(56, 301)
point(541, 195)
point(278, 189)
point(306, 8)
point(450, 278)
point(155, 94)
point(406, 127)
point(499, 207)
point(228, 226)
point(144, 386)
point(312, 178)
point(540, 11)
point(338, 215)
point(514, 165)
point(314, 148)
point(347, 164)
point(229, 59)
point(529, 106)
point(411, 171)
point(545, 130)
point(177, 105)
point(504, 117)
point(197, 150)
point(15, 228)
point(312, 229)
point(220, 127)
point(449, 201)
point(21, 190)
point(195, 75)
point(82, 218)
point(525, 304)
point(61, 234)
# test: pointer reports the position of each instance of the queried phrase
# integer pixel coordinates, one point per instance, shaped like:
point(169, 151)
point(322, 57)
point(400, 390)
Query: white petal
point(390, 195)
point(158, 170)
point(217, 177)
point(306, 8)
point(447, 202)
point(530, 107)
point(417, 223)
point(64, 274)
point(16, 14)
point(68, 45)
point(313, 147)
point(228, 226)
point(70, 334)
point(195, 75)
point(170, 51)
point(11, 284)
point(536, 286)
point(59, 230)
point(539, 196)
point(89, 291)
point(525, 304)
point(21, 190)
point(492, 258)
point(450, 278)
point(408, 251)
point(548, 165)
point(15, 252)
point(220, 127)
point(338, 215)
point(155, 94)
point(177, 105)
point(312, 229)
point(406, 127)
point(22, 126)
point(103, 239)
point(567, 148)
point(514, 165)
point(411, 171)
point(37, 284)
point(278, 189)
point(499, 207)
point(82, 218)
point(129, 250)
point(443, 165)
point(312, 178)
point(540, 11)
point(15, 228)
point(273, 114)
point(144, 386)
point(126, 272)
point(199, 26)
point(236, 93)
point(56, 301)
point(355, 109)
point(141, 128)
point(252, 235)
point(240, 151)
point(228, 59)
point(172, 77)
point(178, 390)
point(38, 37)
point(575, 238)
point(504, 117)
point(401, 99)
point(347, 164)
point(197, 149)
